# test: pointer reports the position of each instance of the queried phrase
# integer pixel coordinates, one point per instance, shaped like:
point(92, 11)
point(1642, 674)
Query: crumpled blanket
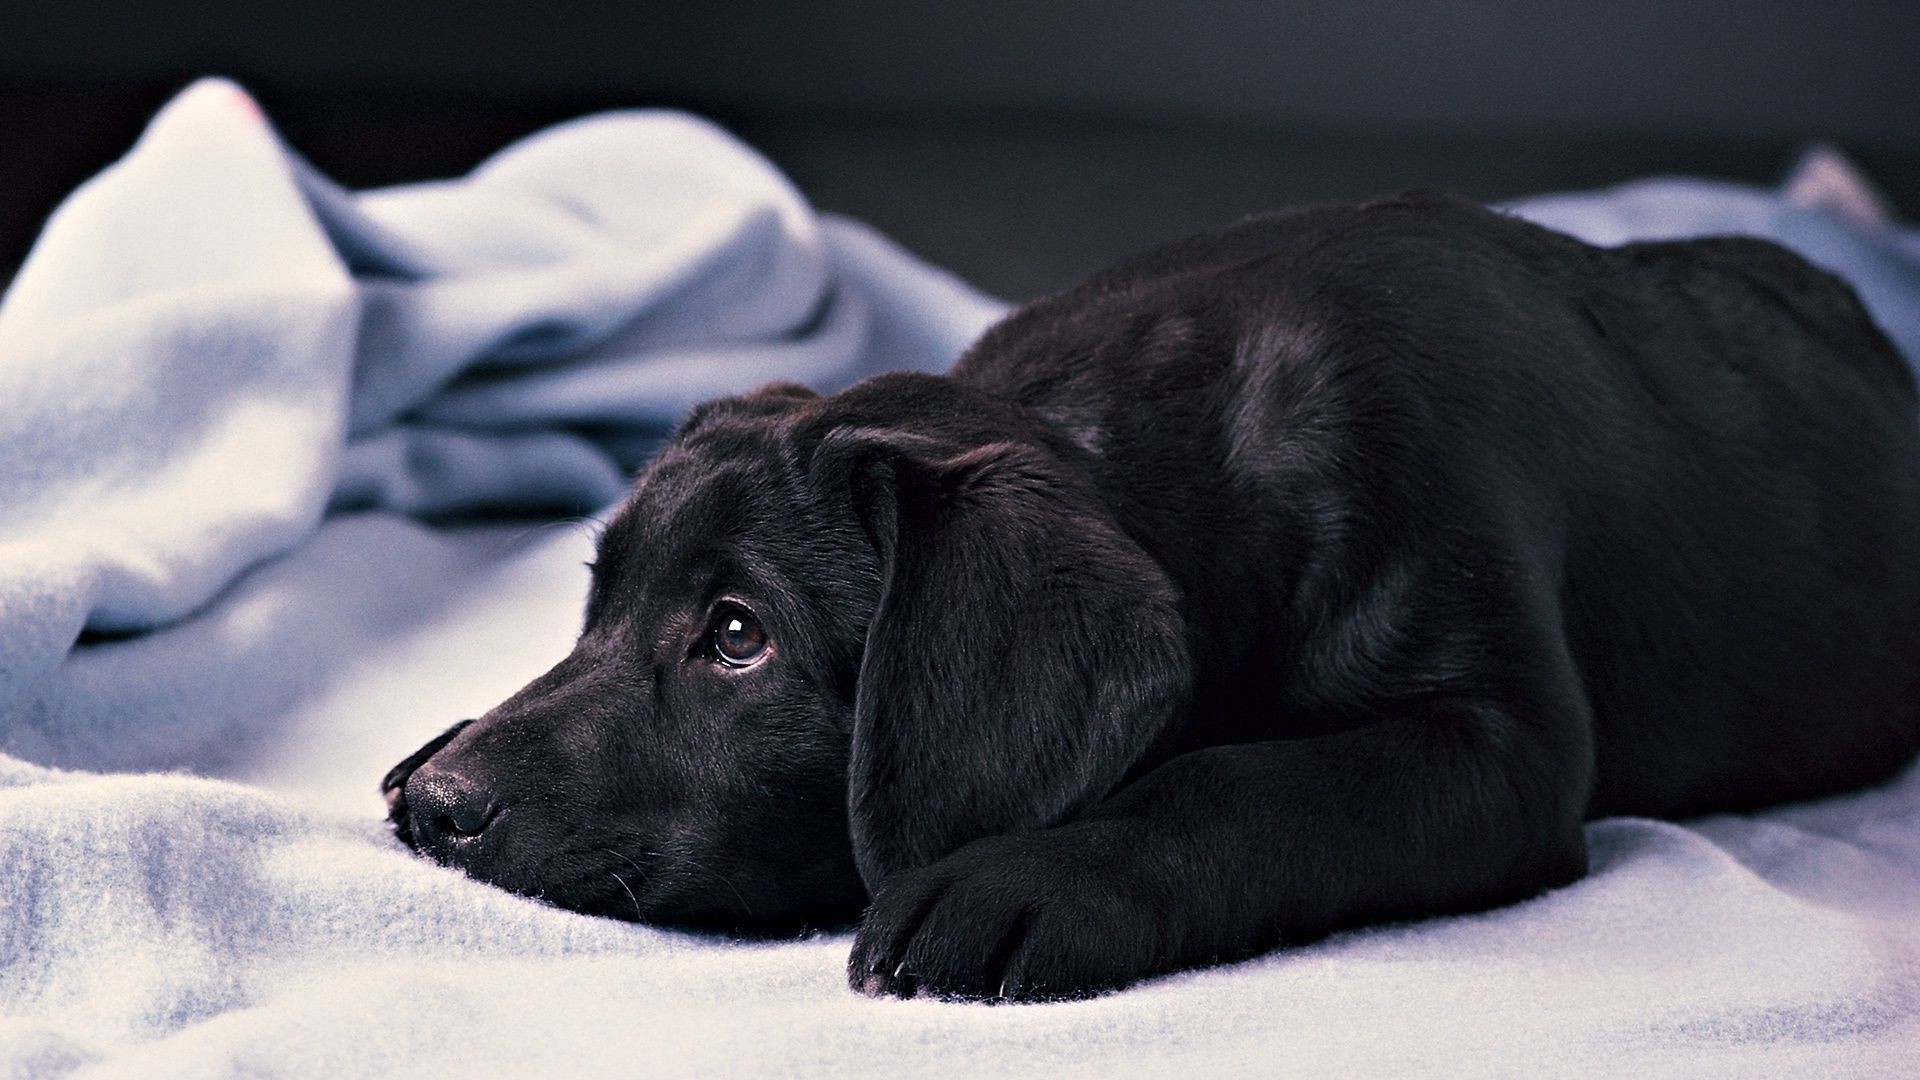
point(212, 347)
point(256, 435)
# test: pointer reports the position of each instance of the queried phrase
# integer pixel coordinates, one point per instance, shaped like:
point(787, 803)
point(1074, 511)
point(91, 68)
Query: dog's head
point(827, 639)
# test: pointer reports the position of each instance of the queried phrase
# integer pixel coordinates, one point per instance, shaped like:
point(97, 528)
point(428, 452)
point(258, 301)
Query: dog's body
point(1331, 567)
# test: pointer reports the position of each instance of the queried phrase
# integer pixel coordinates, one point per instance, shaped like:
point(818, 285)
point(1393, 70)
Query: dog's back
point(1704, 452)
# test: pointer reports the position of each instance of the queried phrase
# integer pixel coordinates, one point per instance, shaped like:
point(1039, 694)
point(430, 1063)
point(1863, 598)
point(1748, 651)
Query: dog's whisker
point(698, 866)
point(731, 887)
point(593, 527)
point(638, 914)
point(630, 862)
point(735, 890)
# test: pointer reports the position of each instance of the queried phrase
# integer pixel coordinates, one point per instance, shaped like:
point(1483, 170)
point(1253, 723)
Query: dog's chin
point(699, 906)
point(604, 893)
point(738, 924)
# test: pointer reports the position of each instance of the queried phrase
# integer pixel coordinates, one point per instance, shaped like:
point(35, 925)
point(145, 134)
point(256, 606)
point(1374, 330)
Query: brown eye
point(738, 638)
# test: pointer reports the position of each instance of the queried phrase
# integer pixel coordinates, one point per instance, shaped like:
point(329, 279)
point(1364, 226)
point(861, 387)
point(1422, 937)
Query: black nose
point(449, 810)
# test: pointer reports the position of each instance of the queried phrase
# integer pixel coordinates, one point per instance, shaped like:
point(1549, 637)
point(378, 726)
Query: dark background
point(1021, 143)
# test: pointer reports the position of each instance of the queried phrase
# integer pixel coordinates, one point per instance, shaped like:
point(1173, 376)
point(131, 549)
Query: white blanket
point(232, 398)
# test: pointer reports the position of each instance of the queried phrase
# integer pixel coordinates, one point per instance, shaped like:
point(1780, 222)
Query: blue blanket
point(212, 352)
point(256, 436)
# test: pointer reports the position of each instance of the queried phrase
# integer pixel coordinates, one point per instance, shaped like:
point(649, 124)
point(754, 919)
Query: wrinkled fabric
point(212, 347)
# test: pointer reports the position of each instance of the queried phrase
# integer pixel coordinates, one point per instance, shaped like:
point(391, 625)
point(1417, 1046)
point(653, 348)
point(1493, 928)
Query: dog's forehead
point(721, 487)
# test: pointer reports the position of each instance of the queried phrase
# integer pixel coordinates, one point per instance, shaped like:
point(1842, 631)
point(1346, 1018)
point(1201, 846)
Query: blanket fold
point(212, 345)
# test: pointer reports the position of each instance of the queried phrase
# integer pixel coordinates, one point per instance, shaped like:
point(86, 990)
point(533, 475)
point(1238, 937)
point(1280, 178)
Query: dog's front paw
point(1062, 913)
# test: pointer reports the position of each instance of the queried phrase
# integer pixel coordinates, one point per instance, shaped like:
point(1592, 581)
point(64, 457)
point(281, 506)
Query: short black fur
point(1331, 567)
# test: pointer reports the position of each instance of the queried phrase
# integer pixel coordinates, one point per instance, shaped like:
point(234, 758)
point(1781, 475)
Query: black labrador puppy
point(1331, 567)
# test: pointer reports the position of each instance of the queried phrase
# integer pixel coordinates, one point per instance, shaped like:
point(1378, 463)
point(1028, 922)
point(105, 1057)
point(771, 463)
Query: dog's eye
point(737, 637)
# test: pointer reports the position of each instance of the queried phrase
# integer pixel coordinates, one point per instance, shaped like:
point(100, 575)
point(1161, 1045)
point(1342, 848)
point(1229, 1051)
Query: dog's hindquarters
point(1744, 586)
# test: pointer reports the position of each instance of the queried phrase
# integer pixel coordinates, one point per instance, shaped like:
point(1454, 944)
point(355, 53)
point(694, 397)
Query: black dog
point(1331, 567)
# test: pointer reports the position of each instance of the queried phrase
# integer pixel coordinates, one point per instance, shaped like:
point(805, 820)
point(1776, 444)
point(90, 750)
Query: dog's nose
point(449, 810)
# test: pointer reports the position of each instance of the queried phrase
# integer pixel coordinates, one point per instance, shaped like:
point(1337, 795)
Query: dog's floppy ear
point(1024, 655)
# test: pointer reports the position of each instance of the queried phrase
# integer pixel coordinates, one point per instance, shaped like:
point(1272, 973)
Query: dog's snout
point(449, 810)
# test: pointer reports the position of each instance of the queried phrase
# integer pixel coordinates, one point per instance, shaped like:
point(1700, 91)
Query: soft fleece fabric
point(238, 408)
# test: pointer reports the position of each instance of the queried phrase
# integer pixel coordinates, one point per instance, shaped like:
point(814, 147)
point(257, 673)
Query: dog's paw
point(1062, 913)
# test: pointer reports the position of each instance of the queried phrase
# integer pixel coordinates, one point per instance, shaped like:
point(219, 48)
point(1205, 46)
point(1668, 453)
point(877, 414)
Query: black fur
point(1331, 567)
